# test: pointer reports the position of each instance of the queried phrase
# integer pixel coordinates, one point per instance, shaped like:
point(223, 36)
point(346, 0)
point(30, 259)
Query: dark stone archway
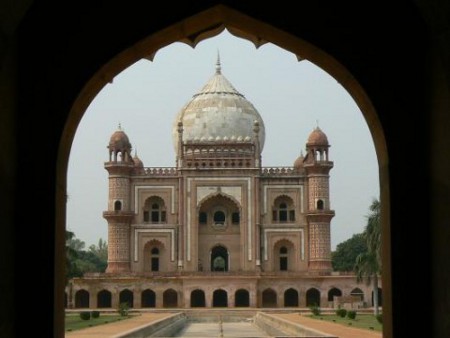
point(198, 298)
point(219, 258)
point(220, 298)
point(81, 299)
point(290, 298)
point(241, 298)
point(148, 298)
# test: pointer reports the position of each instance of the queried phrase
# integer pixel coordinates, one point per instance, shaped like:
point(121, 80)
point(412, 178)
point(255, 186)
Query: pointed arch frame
point(191, 31)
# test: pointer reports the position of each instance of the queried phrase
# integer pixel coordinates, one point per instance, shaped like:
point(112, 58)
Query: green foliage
point(123, 309)
point(73, 322)
point(368, 264)
point(85, 315)
point(341, 312)
point(363, 321)
point(315, 310)
point(343, 259)
point(95, 314)
point(72, 269)
point(80, 261)
point(351, 314)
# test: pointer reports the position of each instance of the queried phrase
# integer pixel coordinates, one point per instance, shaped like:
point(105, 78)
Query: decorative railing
point(173, 171)
point(160, 171)
point(278, 171)
point(304, 274)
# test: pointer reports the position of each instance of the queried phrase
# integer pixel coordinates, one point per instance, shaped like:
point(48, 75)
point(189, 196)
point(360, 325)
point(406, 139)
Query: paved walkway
point(112, 329)
point(338, 330)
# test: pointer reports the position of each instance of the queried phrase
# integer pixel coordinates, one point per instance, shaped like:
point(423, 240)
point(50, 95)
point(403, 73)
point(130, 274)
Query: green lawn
point(363, 321)
point(73, 321)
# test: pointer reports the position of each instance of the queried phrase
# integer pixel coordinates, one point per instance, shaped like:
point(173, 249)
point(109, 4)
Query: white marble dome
point(218, 112)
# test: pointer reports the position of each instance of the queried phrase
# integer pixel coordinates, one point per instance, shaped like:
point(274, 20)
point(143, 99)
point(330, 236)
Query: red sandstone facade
point(218, 229)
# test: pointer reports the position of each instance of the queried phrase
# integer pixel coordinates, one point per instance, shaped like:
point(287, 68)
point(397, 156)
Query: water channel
point(242, 325)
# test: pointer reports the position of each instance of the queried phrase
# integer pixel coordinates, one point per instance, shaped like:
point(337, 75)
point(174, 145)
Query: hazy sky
point(292, 98)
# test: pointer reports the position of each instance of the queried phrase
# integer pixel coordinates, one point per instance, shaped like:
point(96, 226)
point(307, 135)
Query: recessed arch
point(198, 298)
point(104, 299)
point(291, 297)
point(219, 258)
point(148, 298)
point(126, 296)
point(191, 31)
point(313, 297)
point(241, 298)
point(334, 292)
point(81, 299)
point(220, 298)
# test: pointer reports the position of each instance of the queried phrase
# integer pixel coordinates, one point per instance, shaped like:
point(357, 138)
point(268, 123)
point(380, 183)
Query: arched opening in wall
point(155, 259)
point(220, 298)
point(241, 298)
point(240, 28)
point(269, 298)
point(198, 298)
point(104, 298)
point(219, 258)
point(148, 298)
point(170, 298)
point(357, 292)
point(154, 254)
point(126, 296)
point(313, 297)
point(81, 299)
point(290, 298)
point(332, 293)
point(284, 253)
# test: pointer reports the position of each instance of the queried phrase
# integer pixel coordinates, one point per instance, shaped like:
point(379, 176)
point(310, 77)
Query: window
point(202, 218)
point(155, 259)
point(235, 218)
point(219, 217)
point(117, 205)
point(155, 213)
point(283, 258)
point(319, 205)
point(154, 210)
point(283, 210)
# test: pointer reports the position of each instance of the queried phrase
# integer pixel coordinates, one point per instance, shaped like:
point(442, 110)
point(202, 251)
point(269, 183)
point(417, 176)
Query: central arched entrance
point(220, 298)
point(219, 258)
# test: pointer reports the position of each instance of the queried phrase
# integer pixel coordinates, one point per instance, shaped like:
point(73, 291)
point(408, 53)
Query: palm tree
point(368, 264)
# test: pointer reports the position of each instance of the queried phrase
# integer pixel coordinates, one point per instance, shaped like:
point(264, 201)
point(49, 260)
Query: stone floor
point(207, 330)
point(339, 330)
point(200, 330)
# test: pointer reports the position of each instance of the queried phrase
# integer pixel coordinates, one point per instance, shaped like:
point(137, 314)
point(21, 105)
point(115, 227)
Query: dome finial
point(119, 127)
point(218, 67)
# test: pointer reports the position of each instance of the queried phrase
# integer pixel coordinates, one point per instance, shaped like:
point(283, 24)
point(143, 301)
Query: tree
point(80, 261)
point(368, 264)
point(344, 258)
point(100, 251)
point(72, 254)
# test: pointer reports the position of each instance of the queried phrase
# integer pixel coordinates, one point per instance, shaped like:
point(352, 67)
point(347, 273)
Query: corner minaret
point(119, 215)
point(317, 167)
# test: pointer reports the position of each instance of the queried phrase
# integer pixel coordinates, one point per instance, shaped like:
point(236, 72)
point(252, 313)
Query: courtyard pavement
point(113, 329)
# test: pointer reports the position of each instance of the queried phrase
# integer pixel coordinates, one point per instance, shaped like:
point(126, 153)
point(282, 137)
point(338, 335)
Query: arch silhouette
point(192, 30)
